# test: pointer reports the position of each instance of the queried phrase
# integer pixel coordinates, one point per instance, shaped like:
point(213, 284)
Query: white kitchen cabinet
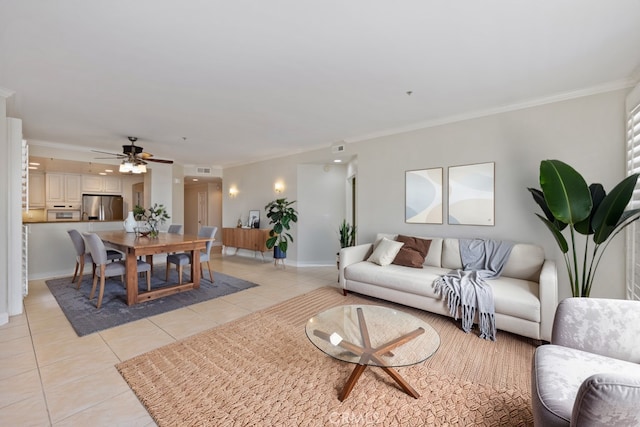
point(72, 188)
point(54, 187)
point(91, 184)
point(63, 188)
point(112, 184)
point(98, 184)
point(36, 190)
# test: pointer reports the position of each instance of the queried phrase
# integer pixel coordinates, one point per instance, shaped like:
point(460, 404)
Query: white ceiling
point(247, 80)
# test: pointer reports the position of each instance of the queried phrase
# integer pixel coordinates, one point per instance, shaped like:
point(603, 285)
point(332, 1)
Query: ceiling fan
point(134, 160)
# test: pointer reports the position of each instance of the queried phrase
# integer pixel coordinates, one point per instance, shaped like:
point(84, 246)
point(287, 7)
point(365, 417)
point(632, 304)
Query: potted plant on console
point(281, 215)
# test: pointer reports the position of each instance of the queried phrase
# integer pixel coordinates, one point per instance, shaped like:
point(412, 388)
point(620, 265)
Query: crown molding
point(59, 145)
point(564, 96)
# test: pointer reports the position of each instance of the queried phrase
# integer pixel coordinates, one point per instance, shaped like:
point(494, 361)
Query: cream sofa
point(525, 294)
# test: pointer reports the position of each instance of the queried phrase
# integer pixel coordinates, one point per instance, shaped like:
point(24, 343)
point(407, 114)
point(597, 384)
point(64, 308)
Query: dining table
point(135, 245)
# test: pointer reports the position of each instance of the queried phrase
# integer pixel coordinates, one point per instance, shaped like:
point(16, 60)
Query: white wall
point(158, 188)
point(177, 205)
point(255, 183)
point(587, 132)
point(321, 208)
point(45, 263)
point(11, 285)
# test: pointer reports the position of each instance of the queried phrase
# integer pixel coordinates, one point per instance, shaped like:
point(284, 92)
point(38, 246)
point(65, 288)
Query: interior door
point(203, 210)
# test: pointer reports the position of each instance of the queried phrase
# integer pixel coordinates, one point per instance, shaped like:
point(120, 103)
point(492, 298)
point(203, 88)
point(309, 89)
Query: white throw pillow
point(385, 251)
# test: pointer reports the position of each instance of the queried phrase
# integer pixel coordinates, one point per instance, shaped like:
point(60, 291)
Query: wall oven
point(63, 215)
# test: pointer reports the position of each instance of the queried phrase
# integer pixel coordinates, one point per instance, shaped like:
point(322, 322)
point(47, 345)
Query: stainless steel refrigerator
point(97, 207)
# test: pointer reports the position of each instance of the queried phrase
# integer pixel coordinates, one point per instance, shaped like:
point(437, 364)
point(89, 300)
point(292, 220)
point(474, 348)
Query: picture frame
point(423, 196)
point(472, 194)
point(254, 219)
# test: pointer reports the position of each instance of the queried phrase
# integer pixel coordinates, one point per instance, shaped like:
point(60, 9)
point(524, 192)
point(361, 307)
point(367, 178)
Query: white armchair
point(589, 375)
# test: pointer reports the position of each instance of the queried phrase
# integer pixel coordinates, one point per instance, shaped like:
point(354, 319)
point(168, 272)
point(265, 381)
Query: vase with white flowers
point(152, 218)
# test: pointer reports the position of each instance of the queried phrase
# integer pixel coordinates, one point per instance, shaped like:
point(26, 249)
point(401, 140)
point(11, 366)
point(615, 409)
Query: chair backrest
point(78, 241)
point(209, 233)
point(96, 247)
point(175, 229)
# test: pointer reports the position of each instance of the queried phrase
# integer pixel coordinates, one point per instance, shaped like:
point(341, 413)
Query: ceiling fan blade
point(145, 155)
point(106, 152)
point(170, 162)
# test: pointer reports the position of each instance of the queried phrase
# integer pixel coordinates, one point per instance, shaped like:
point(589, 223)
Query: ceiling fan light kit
point(128, 167)
point(134, 159)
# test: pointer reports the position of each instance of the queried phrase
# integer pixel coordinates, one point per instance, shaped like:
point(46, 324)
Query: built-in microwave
point(63, 215)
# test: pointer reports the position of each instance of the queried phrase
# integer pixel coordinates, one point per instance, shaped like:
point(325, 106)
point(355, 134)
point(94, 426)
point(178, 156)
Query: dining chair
point(184, 258)
point(175, 229)
point(105, 269)
point(83, 257)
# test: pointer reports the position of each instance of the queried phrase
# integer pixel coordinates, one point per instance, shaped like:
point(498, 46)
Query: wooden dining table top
point(122, 238)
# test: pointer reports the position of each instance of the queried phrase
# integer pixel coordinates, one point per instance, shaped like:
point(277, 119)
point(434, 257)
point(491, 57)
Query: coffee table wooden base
point(370, 355)
point(359, 369)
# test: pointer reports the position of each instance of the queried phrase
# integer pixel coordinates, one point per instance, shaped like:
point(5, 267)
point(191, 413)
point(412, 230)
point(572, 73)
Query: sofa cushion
point(516, 297)
point(525, 261)
point(434, 256)
point(513, 297)
point(410, 280)
point(413, 252)
point(451, 254)
point(385, 252)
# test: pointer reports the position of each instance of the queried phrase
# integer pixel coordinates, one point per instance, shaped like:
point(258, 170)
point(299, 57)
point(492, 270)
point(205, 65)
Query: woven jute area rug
point(262, 370)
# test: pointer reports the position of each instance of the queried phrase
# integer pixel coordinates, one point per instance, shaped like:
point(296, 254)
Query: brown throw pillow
point(413, 252)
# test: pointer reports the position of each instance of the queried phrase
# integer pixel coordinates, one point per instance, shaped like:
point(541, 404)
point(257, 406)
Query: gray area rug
point(86, 318)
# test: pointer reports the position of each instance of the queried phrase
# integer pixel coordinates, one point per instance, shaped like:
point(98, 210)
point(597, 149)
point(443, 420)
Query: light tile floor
point(51, 377)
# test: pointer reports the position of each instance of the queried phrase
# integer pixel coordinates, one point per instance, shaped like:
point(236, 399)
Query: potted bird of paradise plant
point(569, 203)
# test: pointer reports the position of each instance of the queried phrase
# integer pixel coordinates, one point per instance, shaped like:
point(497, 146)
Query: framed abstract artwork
point(254, 219)
point(423, 196)
point(471, 194)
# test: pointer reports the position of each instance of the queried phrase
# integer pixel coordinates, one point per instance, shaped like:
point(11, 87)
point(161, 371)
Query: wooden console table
point(253, 239)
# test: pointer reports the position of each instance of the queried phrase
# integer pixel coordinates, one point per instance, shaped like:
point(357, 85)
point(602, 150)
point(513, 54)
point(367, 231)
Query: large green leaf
point(538, 197)
point(271, 242)
point(562, 242)
point(606, 218)
point(565, 191)
point(597, 195)
point(626, 215)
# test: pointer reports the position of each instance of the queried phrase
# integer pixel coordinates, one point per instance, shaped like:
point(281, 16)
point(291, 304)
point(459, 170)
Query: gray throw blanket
point(466, 289)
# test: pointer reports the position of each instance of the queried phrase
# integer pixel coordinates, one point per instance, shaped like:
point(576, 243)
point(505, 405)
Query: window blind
point(633, 166)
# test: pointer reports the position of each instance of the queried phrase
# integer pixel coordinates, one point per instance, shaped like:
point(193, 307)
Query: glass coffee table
point(370, 335)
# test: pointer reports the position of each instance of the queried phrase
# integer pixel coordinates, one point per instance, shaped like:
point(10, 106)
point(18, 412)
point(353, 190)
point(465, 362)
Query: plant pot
point(278, 254)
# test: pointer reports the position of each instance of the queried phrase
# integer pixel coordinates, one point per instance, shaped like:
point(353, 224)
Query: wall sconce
point(278, 187)
point(233, 192)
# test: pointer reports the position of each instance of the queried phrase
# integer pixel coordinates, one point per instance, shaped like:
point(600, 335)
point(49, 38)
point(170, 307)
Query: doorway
point(202, 209)
point(203, 205)
point(138, 194)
